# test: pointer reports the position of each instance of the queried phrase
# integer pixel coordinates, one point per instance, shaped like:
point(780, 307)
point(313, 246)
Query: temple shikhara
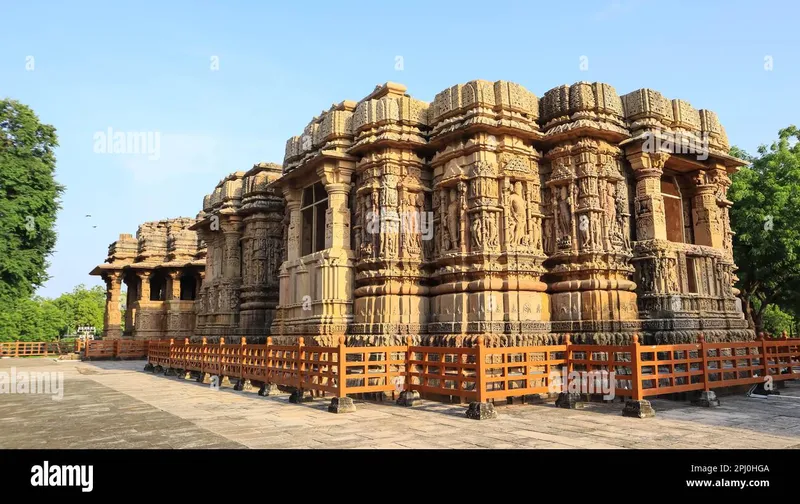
point(488, 212)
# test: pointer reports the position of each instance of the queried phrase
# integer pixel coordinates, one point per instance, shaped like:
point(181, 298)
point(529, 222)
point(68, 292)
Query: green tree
point(766, 219)
point(29, 200)
point(42, 319)
point(82, 307)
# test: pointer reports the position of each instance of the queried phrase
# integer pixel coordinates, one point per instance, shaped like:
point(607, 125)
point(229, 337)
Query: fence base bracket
point(243, 385)
point(158, 369)
point(225, 381)
point(300, 396)
point(203, 378)
point(481, 411)
point(408, 398)
point(341, 405)
point(569, 400)
point(707, 399)
point(268, 389)
point(171, 372)
point(149, 367)
point(188, 375)
point(638, 409)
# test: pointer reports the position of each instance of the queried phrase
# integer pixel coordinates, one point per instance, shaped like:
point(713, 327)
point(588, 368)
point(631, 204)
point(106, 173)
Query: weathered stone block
point(300, 396)
point(481, 411)
point(569, 400)
point(638, 409)
point(707, 399)
point(342, 405)
point(408, 398)
point(268, 389)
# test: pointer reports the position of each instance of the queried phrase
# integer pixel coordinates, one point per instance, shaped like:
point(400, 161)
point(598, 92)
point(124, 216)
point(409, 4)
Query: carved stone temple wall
point(161, 268)
point(491, 211)
point(242, 224)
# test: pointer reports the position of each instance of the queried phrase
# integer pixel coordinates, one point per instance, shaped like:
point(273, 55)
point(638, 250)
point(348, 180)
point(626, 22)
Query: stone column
point(707, 224)
point(337, 178)
point(337, 217)
point(174, 291)
point(295, 222)
point(232, 257)
point(112, 320)
point(144, 285)
point(650, 218)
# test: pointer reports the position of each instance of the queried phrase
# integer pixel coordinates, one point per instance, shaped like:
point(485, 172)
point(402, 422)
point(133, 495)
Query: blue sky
point(146, 66)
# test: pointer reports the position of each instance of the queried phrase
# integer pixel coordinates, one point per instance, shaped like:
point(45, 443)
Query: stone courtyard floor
point(112, 404)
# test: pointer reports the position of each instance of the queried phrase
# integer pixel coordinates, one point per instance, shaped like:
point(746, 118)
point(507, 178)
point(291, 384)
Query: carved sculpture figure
point(517, 209)
point(565, 213)
point(583, 229)
point(453, 215)
point(477, 232)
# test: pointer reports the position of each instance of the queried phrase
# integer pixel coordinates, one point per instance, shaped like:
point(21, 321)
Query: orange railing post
point(407, 381)
point(300, 365)
point(240, 358)
point(203, 352)
point(16, 350)
point(636, 371)
point(480, 378)
point(341, 368)
point(268, 360)
point(570, 366)
point(481, 409)
point(764, 356)
point(219, 359)
point(704, 356)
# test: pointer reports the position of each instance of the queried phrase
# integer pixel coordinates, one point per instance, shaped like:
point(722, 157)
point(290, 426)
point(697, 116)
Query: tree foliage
point(29, 201)
point(766, 219)
point(42, 319)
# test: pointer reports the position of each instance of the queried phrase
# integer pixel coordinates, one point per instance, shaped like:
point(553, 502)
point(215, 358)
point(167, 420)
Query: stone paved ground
point(117, 405)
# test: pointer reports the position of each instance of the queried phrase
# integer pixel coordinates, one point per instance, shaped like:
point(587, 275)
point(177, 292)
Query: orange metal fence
point(110, 349)
point(38, 348)
point(481, 373)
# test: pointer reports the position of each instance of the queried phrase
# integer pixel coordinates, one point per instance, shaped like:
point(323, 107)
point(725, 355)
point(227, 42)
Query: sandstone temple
point(489, 211)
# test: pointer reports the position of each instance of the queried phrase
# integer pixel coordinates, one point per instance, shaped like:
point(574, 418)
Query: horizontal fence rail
point(115, 349)
point(38, 348)
point(486, 374)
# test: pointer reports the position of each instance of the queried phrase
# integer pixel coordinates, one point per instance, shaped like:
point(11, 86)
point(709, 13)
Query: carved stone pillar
point(707, 222)
point(649, 204)
point(112, 319)
point(174, 290)
point(294, 229)
point(337, 217)
point(232, 255)
point(144, 285)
